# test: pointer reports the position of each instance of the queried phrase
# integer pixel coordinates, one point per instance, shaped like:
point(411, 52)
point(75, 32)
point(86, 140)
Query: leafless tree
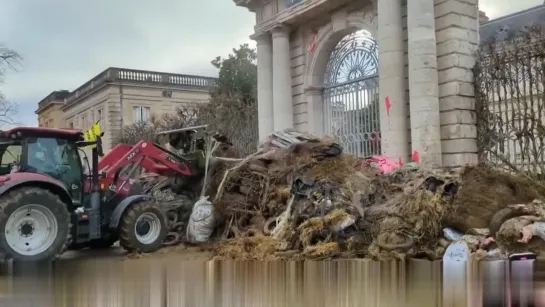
point(184, 117)
point(8, 61)
point(233, 118)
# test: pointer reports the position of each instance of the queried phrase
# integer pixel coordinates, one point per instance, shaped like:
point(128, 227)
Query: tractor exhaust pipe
point(94, 210)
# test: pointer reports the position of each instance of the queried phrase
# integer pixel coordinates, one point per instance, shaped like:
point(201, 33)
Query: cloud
point(64, 43)
point(498, 8)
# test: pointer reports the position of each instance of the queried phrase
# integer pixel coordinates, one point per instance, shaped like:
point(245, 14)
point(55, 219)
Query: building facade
point(320, 63)
point(119, 97)
point(49, 110)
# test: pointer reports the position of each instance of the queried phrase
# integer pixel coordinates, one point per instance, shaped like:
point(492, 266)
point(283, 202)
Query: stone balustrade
point(119, 75)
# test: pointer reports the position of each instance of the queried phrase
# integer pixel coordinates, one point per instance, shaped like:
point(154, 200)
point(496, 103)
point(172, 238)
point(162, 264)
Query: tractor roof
point(19, 132)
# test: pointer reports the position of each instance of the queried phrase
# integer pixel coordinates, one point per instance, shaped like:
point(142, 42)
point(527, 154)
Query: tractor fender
point(20, 180)
point(123, 205)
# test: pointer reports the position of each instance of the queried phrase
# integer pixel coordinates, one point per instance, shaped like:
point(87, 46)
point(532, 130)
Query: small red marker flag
point(314, 43)
point(416, 157)
point(388, 103)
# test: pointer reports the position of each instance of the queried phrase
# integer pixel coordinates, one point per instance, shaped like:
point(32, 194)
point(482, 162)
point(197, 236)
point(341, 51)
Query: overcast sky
point(65, 43)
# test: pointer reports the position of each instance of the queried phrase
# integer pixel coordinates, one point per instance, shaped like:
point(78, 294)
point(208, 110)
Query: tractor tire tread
point(127, 238)
point(55, 204)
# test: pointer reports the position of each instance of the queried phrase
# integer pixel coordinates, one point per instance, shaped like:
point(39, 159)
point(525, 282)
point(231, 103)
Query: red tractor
point(48, 203)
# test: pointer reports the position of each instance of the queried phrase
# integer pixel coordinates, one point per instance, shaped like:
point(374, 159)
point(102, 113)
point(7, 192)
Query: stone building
point(320, 63)
point(120, 97)
point(509, 26)
point(49, 110)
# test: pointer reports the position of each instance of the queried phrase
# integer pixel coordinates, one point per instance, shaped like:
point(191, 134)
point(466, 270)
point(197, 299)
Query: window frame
point(139, 116)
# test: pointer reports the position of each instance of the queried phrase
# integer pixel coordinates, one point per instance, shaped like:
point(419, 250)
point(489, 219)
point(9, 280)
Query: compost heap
point(311, 201)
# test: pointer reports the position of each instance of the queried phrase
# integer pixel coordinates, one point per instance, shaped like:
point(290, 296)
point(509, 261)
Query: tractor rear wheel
point(143, 228)
point(34, 225)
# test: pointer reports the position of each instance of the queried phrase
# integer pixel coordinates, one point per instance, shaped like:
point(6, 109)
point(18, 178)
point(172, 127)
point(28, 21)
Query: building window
point(84, 122)
point(71, 125)
point(99, 115)
point(167, 94)
point(290, 3)
point(141, 114)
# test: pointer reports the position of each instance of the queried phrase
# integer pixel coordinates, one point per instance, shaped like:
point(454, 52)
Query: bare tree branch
point(8, 59)
point(8, 109)
point(184, 117)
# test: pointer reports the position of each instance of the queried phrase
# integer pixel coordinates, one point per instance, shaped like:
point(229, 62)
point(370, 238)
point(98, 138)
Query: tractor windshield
point(55, 157)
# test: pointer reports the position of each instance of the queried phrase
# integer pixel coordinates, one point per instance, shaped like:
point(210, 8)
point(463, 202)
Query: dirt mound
point(323, 203)
point(249, 248)
point(484, 191)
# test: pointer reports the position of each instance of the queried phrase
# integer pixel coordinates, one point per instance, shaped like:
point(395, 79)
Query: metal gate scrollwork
point(351, 109)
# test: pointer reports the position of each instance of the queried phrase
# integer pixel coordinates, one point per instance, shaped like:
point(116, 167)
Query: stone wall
point(298, 42)
point(394, 81)
point(456, 26)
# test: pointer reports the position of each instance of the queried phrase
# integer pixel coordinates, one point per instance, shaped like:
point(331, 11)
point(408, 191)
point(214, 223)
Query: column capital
point(280, 30)
point(261, 38)
point(314, 90)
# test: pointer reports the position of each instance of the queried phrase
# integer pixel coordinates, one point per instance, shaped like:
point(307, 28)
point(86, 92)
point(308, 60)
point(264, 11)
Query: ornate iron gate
point(351, 109)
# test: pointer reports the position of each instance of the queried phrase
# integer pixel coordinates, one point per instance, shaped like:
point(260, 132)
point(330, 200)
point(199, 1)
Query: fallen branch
point(282, 221)
point(234, 168)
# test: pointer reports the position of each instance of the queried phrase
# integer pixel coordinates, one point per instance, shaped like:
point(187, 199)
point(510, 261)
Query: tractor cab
point(47, 151)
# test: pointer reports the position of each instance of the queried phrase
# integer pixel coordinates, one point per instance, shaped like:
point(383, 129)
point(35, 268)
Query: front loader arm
point(113, 156)
point(149, 156)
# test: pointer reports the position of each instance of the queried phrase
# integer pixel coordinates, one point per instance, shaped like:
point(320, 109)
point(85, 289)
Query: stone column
point(282, 96)
point(457, 32)
point(315, 101)
point(264, 86)
point(393, 127)
point(423, 82)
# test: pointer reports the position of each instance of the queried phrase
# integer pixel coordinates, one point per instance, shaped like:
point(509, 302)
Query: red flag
point(416, 157)
point(314, 42)
point(388, 103)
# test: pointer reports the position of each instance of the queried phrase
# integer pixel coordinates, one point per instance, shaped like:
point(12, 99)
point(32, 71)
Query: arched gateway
point(350, 103)
point(318, 72)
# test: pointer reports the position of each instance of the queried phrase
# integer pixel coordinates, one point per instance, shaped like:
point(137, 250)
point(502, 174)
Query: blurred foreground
point(190, 281)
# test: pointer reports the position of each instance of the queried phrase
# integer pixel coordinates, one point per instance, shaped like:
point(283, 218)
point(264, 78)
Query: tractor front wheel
point(143, 228)
point(34, 225)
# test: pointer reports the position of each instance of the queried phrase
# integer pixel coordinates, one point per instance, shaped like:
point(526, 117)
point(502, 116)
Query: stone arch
point(328, 38)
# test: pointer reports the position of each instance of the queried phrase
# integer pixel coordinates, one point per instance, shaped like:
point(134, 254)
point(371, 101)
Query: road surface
point(116, 252)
